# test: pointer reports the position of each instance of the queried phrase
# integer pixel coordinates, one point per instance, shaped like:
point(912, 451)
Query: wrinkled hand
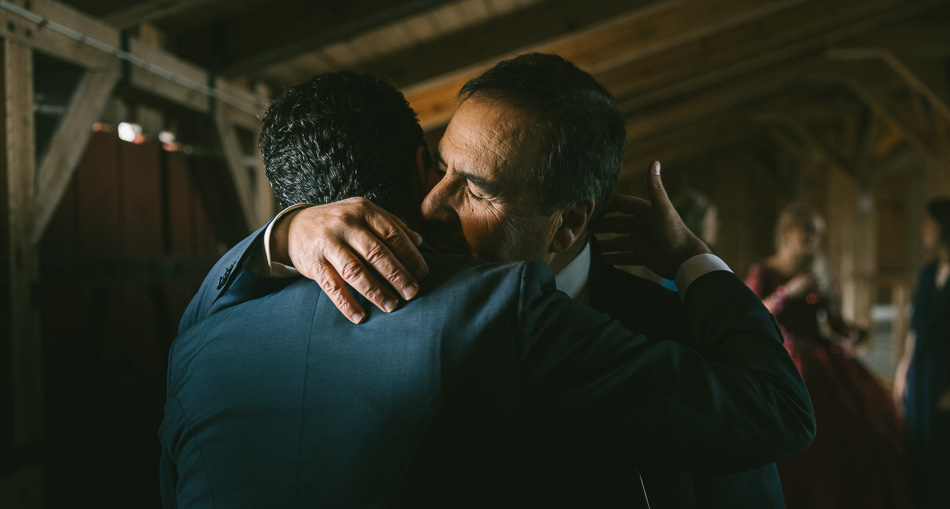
point(340, 242)
point(650, 233)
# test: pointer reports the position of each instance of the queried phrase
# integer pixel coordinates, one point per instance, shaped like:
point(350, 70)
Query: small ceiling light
point(166, 137)
point(128, 132)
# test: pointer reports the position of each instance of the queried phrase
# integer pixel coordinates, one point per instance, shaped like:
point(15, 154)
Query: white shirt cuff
point(695, 267)
point(270, 268)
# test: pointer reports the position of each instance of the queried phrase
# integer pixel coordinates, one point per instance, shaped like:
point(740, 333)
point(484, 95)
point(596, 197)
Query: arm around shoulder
point(730, 402)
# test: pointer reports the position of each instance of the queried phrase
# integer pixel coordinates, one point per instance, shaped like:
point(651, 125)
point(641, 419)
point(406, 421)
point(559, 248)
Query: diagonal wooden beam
point(884, 107)
point(927, 77)
point(922, 75)
point(68, 143)
point(157, 72)
point(234, 157)
point(806, 144)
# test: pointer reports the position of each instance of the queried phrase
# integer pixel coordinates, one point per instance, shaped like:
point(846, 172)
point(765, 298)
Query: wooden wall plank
point(62, 232)
point(98, 179)
point(140, 195)
point(181, 221)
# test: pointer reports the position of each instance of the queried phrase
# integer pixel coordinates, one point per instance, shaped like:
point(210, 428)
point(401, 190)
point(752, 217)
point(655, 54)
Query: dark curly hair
point(585, 134)
point(340, 135)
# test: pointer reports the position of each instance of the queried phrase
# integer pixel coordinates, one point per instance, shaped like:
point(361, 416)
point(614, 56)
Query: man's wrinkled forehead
point(492, 136)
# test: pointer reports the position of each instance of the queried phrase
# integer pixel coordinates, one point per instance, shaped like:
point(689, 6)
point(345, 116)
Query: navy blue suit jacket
point(647, 308)
point(468, 396)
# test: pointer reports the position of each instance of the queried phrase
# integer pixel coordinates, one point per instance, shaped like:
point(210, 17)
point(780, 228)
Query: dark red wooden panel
point(140, 192)
point(62, 232)
point(180, 215)
point(97, 180)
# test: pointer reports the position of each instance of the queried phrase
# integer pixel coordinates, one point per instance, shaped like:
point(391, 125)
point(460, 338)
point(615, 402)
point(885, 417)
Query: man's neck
point(560, 260)
point(572, 277)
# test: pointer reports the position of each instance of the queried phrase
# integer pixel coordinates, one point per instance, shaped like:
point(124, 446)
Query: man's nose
point(437, 205)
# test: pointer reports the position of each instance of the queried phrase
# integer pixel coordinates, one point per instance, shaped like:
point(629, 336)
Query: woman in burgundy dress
point(857, 457)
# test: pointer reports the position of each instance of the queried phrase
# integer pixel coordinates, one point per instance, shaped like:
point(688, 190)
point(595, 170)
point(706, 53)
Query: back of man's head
point(584, 132)
point(340, 135)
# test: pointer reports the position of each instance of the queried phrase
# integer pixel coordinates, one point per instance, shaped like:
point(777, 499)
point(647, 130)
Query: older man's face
point(486, 201)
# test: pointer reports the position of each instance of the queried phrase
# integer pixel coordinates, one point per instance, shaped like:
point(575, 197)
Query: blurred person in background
point(699, 214)
point(922, 383)
point(857, 457)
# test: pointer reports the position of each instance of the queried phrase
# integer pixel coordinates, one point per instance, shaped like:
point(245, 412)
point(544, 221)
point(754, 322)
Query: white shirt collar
point(573, 277)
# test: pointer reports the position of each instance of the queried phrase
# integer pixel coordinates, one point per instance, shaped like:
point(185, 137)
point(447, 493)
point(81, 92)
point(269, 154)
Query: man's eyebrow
point(438, 157)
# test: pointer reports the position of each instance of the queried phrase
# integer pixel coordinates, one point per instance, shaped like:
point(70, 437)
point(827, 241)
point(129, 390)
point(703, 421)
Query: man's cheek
point(481, 236)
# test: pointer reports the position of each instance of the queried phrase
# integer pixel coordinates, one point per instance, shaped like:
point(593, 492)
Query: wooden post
point(21, 354)
point(841, 236)
point(234, 157)
point(17, 166)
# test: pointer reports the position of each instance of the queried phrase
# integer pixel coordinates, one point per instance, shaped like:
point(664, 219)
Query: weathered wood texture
point(21, 376)
point(68, 143)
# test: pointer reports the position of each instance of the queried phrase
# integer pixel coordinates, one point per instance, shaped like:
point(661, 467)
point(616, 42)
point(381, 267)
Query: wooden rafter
point(304, 25)
point(925, 78)
point(882, 106)
point(755, 46)
point(173, 85)
point(648, 31)
point(719, 100)
point(516, 31)
point(654, 53)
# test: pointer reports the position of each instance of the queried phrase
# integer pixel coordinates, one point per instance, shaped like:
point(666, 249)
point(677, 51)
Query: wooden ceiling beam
point(668, 41)
point(927, 77)
point(690, 141)
point(267, 33)
point(714, 101)
point(922, 36)
point(885, 108)
point(496, 38)
point(150, 11)
point(648, 31)
point(167, 76)
point(800, 30)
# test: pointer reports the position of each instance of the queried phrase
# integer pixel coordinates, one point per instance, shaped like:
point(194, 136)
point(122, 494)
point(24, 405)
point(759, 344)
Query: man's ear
point(574, 220)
